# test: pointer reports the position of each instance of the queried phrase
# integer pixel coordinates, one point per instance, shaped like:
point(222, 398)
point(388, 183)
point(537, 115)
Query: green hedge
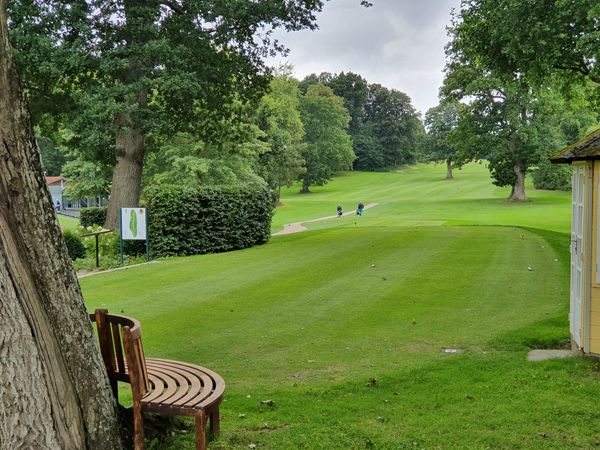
point(189, 221)
point(75, 245)
point(92, 216)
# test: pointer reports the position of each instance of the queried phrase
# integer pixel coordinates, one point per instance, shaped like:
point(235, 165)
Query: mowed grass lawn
point(343, 327)
point(67, 223)
point(420, 195)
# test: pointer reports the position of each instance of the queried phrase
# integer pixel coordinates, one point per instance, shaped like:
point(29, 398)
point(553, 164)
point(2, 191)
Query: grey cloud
point(396, 43)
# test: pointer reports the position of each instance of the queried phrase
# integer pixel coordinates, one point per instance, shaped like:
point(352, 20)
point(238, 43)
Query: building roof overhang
point(585, 149)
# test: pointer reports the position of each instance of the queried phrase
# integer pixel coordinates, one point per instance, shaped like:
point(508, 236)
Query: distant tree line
point(384, 126)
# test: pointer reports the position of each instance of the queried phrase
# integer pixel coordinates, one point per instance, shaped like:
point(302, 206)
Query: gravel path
point(298, 227)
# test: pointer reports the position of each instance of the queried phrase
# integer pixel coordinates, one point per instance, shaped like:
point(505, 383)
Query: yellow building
point(584, 312)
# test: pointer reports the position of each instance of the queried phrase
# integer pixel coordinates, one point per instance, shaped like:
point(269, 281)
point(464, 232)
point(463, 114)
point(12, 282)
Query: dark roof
point(585, 148)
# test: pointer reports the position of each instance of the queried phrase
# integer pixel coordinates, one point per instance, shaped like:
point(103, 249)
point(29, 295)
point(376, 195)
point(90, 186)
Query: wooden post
point(200, 431)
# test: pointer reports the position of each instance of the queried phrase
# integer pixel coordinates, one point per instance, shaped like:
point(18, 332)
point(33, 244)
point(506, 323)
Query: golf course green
point(343, 327)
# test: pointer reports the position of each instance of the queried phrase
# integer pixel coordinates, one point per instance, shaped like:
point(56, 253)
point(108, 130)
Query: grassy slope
point(421, 195)
point(306, 321)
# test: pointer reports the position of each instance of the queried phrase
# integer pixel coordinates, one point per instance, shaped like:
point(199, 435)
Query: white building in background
point(57, 185)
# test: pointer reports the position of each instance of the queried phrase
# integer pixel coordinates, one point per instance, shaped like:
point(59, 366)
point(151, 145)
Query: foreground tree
point(54, 392)
point(329, 147)
point(124, 70)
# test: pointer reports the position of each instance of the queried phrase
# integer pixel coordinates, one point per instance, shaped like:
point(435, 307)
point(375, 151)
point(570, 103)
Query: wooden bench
point(158, 385)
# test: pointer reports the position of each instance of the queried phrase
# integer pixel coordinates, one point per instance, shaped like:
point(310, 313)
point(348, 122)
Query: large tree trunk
point(54, 392)
point(517, 192)
point(449, 175)
point(127, 175)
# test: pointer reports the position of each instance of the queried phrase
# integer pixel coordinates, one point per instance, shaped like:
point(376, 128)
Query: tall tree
point(440, 121)
point(279, 117)
point(53, 158)
point(54, 392)
point(329, 147)
point(312, 79)
point(187, 160)
point(384, 126)
point(86, 179)
point(510, 114)
point(394, 124)
point(507, 123)
point(128, 68)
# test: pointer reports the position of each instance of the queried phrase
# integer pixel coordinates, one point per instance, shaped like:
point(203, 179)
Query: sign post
point(134, 227)
point(96, 235)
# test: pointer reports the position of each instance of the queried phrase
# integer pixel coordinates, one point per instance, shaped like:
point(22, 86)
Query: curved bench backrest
point(120, 339)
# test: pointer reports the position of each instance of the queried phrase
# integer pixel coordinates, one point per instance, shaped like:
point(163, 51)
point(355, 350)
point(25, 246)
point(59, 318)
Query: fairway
point(419, 194)
point(343, 326)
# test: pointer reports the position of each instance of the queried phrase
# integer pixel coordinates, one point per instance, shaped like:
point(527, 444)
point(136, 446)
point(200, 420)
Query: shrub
point(188, 221)
point(92, 216)
point(554, 177)
point(75, 245)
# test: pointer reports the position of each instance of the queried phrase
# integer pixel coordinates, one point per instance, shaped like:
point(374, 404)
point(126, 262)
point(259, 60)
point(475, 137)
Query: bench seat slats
point(217, 380)
point(164, 386)
point(163, 395)
point(190, 386)
point(196, 388)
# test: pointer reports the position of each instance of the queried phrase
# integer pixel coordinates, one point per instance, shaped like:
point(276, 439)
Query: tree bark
point(517, 193)
point(127, 174)
point(449, 174)
point(54, 392)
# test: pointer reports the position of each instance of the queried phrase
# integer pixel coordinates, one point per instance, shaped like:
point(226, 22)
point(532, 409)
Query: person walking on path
point(361, 209)
point(339, 210)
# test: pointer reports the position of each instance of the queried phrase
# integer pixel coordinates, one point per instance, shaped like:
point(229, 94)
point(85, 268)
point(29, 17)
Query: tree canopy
point(121, 71)
point(535, 38)
point(384, 126)
point(329, 147)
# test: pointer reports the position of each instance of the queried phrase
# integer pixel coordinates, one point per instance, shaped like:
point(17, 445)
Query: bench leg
point(138, 428)
point(201, 431)
point(215, 421)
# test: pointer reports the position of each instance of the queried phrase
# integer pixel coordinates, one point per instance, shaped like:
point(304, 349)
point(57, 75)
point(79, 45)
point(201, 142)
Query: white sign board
point(133, 224)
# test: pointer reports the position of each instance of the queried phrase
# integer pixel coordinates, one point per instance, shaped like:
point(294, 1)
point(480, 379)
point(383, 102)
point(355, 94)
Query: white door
point(577, 252)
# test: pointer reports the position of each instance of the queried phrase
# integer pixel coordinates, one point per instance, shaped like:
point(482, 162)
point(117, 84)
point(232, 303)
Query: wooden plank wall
point(594, 314)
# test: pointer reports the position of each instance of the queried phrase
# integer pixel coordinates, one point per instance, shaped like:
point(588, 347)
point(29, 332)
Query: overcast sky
point(397, 43)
